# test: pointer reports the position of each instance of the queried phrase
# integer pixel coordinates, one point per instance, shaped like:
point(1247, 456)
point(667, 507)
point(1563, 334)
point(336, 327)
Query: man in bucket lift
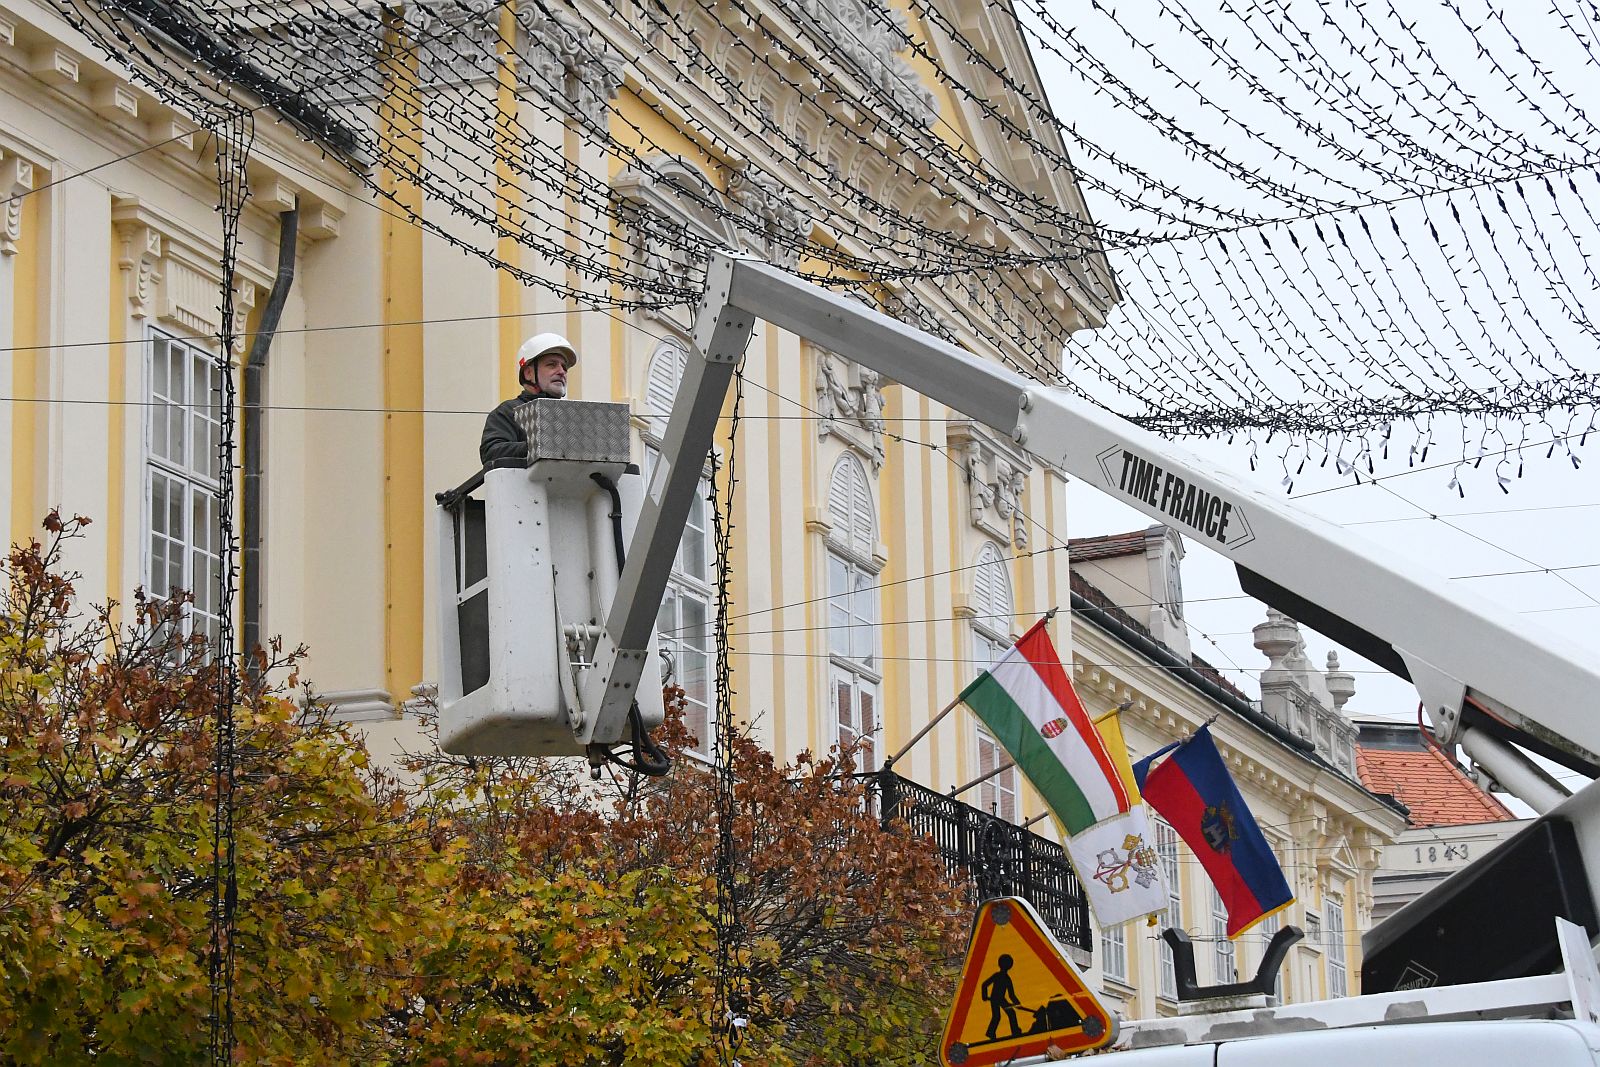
point(542, 365)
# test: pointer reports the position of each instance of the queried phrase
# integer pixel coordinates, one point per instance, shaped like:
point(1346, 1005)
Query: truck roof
point(1551, 1019)
point(1484, 1043)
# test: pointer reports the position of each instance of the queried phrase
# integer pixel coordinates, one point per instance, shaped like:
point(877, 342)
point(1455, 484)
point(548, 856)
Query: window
point(991, 625)
point(997, 795)
point(1333, 924)
point(1268, 930)
point(1114, 952)
point(1167, 856)
point(853, 610)
point(1222, 950)
point(991, 606)
point(688, 609)
point(182, 435)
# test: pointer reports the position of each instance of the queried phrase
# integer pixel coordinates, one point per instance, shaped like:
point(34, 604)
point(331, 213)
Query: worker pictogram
point(1018, 994)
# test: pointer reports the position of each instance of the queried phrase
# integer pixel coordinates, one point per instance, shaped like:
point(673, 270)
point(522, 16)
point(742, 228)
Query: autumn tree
point(489, 912)
point(554, 950)
point(106, 849)
point(848, 934)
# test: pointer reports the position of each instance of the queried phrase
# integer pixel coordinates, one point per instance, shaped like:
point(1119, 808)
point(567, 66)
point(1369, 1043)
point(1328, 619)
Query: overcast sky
point(1547, 512)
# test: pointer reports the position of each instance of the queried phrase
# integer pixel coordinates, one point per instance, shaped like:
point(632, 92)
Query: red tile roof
point(1105, 546)
point(1434, 788)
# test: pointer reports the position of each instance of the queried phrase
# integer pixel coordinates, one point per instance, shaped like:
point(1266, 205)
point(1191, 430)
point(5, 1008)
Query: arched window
point(850, 510)
point(688, 608)
point(991, 628)
point(661, 386)
point(991, 606)
point(853, 609)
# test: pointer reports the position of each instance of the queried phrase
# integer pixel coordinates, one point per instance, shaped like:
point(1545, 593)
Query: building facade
point(1452, 821)
point(884, 549)
point(1292, 754)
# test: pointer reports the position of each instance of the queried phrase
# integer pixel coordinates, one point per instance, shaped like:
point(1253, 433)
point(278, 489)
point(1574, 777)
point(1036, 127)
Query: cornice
point(99, 100)
point(1170, 709)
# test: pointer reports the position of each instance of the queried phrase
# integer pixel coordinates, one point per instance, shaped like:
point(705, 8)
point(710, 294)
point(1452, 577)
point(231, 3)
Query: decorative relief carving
point(571, 64)
point(190, 298)
point(140, 261)
point(997, 479)
point(670, 213)
point(455, 40)
point(850, 401)
point(773, 223)
point(16, 180)
point(350, 42)
point(868, 34)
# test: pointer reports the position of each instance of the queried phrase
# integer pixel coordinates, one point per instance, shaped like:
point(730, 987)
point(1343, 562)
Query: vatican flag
point(1116, 857)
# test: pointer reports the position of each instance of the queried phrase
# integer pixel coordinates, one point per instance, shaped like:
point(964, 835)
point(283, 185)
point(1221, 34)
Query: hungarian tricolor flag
point(1193, 791)
point(1029, 705)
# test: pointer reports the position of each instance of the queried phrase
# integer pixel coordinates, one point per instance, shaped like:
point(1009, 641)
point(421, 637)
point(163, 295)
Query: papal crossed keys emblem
point(1135, 861)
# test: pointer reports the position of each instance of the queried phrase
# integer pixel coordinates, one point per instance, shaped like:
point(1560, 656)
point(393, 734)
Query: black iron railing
point(999, 858)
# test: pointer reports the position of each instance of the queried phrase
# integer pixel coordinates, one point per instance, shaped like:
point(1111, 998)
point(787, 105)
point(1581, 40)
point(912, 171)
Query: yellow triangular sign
point(1018, 994)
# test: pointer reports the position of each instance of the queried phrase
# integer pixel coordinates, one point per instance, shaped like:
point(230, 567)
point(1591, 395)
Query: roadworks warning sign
point(1018, 994)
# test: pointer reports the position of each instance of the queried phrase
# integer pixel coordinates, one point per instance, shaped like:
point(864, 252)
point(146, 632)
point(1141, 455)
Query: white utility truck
point(558, 656)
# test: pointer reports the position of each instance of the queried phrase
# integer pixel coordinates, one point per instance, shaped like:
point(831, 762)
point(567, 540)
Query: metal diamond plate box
point(575, 429)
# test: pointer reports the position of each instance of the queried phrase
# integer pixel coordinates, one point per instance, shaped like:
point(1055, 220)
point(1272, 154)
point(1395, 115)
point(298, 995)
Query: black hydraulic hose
point(254, 460)
point(648, 758)
point(616, 515)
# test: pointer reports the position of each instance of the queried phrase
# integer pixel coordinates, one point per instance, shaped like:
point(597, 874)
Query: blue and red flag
point(1193, 791)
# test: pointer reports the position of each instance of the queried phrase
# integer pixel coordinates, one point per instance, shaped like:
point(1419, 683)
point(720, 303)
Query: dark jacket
point(502, 437)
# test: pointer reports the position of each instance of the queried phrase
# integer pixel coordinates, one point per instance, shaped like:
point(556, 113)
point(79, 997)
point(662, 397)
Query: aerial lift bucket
point(529, 557)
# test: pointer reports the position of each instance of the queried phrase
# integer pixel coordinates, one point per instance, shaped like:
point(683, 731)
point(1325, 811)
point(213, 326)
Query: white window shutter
point(661, 385)
point(991, 589)
point(850, 507)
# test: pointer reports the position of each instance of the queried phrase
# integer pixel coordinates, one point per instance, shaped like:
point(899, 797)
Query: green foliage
point(106, 852)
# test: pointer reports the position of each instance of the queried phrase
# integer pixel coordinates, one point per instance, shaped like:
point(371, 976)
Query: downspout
point(254, 459)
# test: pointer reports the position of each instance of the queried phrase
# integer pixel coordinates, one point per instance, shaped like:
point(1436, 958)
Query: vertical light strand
point(233, 135)
point(510, 209)
point(730, 1003)
point(400, 115)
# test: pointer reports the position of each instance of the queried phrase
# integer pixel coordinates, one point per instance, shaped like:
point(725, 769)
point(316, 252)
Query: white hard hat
point(541, 343)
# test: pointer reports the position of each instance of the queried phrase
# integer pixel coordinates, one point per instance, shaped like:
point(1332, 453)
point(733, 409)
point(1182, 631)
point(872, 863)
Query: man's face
point(549, 374)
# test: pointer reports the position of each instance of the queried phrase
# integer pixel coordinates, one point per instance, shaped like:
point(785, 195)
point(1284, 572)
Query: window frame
point(855, 667)
point(196, 475)
point(682, 584)
point(1334, 951)
point(1000, 795)
point(1268, 928)
point(992, 613)
point(1114, 950)
point(1224, 958)
point(1168, 855)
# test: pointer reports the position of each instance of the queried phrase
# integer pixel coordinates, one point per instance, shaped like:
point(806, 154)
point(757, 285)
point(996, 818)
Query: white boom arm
point(1485, 681)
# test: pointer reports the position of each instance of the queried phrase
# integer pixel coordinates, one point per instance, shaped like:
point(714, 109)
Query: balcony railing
point(1000, 859)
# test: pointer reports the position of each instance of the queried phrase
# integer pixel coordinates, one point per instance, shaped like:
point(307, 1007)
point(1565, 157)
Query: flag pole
point(1006, 766)
point(947, 709)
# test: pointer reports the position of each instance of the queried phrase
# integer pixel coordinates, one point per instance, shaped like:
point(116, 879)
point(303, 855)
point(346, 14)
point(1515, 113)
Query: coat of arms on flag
point(1133, 863)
